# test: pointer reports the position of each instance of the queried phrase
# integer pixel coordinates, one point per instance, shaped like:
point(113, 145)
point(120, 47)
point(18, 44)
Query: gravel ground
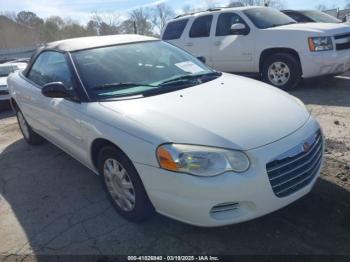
point(51, 204)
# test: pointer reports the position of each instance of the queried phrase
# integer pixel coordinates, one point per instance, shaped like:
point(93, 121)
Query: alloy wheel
point(279, 73)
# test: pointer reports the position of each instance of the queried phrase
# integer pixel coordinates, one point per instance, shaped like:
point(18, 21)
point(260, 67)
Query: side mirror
point(239, 29)
point(202, 59)
point(55, 90)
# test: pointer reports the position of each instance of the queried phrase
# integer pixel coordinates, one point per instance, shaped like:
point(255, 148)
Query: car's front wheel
point(29, 135)
point(282, 70)
point(123, 185)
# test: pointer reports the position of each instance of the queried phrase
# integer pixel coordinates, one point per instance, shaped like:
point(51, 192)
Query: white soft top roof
point(81, 43)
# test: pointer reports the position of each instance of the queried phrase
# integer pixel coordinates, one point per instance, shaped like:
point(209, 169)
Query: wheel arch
point(97, 145)
point(14, 105)
point(271, 51)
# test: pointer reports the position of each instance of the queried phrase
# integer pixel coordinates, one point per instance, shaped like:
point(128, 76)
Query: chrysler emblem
point(306, 147)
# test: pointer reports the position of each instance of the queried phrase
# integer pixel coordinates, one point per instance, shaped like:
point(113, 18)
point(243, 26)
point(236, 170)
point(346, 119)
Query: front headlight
point(201, 160)
point(317, 44)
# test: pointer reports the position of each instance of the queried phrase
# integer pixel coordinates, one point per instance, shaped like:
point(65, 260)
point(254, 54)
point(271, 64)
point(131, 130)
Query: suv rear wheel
point(282, 70)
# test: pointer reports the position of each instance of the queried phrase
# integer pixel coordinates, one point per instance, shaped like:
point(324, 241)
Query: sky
point(81, 10)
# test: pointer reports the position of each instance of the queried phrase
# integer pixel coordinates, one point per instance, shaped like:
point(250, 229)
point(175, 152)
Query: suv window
point(174, 30)
point(225, 21)
point(49, 67)
point(201, 26)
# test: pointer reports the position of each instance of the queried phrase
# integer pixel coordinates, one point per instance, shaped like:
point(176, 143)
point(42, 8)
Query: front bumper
point(190, 199)
point(325, 63)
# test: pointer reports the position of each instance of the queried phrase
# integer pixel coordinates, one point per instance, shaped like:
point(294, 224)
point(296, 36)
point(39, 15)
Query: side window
point(50, 67)
point(201, 26)
point(175, 29)
point(225, 21)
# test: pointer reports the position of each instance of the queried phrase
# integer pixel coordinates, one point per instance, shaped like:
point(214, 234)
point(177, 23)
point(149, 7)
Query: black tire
point(143, 207)
point(29, 136)
point(293, 65)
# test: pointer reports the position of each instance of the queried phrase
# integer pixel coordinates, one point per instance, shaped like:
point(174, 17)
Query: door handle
point(217, 43)
point(189, 44)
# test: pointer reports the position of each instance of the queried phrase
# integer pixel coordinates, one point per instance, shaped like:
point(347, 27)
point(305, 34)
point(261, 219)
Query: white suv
point(261, 40)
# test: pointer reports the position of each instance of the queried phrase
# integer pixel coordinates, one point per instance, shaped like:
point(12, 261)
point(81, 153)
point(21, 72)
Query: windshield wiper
point(185, 78)
point(172, 84)
point(121, 85)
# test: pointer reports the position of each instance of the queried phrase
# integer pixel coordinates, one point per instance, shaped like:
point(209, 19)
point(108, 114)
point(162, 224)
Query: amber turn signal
point(165, 159)
point(312, 45)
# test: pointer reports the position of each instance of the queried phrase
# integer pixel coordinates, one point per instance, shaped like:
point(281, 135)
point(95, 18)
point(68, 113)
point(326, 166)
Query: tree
point(347, 5)
point(251, 2)
point(187, 9)
point(323, 7)
point(10, 15)
point(58, 21)
point(211, 4)
point(160, 14)
point(92, 28)
point(141, 17)
point(105, 24)
point(128, 27)
point(29, 19)
point(278, 4)
point(235, 4)
point(72, 29)
point(50, 31)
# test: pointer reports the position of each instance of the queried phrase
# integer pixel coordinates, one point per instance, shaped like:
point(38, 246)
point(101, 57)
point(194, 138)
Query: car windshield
point(263, 17)
point(6, 70)
point(320, 17)
point(144, 68)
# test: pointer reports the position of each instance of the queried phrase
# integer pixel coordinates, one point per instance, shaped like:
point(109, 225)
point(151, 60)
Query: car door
point(57, 119)
point(232, 51)
point(197, 40)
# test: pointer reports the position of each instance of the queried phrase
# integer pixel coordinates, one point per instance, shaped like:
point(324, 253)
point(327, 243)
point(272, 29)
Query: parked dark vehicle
point(311, 16)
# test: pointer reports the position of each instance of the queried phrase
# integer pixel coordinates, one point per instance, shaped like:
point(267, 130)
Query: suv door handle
point(189, 44)
point(217, 43)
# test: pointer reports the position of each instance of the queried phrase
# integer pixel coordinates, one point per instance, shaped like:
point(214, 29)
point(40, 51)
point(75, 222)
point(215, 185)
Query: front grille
point(343, 46)
point(296, 168)
point(345, 39)
point(342, 36)
point(4, 92)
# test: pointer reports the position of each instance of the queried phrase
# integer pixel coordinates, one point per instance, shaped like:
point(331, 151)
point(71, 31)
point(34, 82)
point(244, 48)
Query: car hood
point(321, 28)
point(231, 111)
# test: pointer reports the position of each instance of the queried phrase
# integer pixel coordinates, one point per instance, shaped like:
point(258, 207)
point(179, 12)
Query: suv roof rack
point(202, 11)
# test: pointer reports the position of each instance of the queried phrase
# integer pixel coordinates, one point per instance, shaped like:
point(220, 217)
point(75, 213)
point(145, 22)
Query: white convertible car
point(167, 133)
